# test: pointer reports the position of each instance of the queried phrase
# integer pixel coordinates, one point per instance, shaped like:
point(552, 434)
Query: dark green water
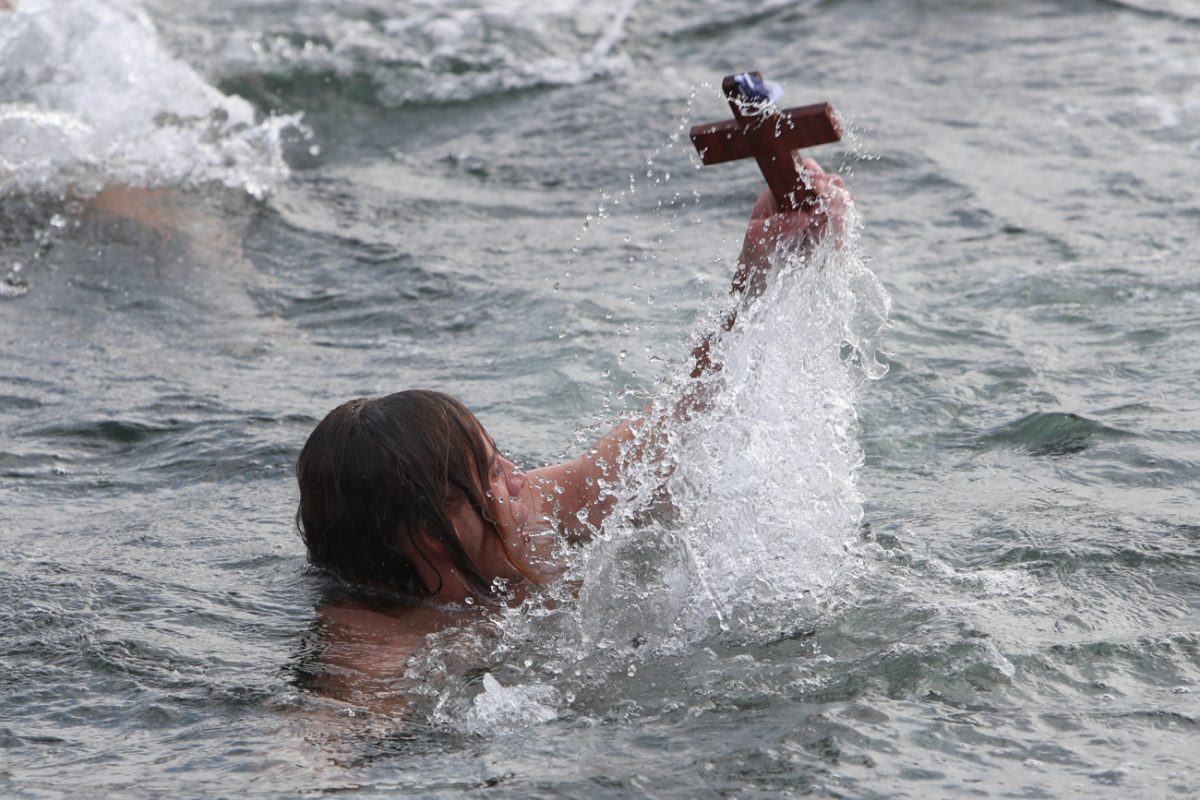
point(1003, 597)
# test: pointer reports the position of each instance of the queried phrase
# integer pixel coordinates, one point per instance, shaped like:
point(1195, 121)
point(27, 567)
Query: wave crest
point(431, 53)
point(89, 98)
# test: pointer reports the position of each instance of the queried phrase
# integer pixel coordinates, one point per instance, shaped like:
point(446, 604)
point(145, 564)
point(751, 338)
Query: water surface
point(981, 567)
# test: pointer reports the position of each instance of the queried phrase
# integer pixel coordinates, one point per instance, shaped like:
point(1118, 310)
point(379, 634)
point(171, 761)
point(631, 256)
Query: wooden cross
point(767, 134)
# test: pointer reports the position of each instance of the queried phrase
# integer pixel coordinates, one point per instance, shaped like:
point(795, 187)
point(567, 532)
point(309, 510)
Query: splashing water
point(763, 502)
point(89, 97)
point(762, 484)
point(766, 483)
point(501, 707)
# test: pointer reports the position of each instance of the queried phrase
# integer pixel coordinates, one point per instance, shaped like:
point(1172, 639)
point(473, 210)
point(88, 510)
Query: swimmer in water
point(408, 496)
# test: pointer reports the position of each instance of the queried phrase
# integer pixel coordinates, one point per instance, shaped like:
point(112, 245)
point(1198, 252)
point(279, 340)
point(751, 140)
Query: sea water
point(941, 547)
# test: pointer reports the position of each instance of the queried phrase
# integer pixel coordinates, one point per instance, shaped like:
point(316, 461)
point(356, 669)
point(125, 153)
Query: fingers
point(762, 235)
point(768, 225)
point(765, 205)
point(781, 226)
point(816, 180)
point(819, 182)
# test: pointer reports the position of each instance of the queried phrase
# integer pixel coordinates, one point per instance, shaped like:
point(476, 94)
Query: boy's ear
point(466, 523)
point(430, 544)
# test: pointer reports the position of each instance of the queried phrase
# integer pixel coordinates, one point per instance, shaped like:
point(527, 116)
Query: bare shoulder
point(575, 494)
point(364, 650)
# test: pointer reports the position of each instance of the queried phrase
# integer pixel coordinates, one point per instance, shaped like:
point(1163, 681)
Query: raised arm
point(575, 494)
point(764, 232)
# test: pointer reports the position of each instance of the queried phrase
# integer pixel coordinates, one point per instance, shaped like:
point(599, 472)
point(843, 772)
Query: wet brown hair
point(376, 472)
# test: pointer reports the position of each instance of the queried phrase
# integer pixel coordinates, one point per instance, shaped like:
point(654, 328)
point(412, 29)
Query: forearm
point(577, 494)
point(765, 232)
point(702, 362)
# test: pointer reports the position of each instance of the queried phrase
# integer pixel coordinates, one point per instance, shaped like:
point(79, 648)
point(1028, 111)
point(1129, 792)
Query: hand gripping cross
point(769, 135)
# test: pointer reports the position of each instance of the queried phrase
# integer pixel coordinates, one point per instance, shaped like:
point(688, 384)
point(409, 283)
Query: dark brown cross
point(770, 136)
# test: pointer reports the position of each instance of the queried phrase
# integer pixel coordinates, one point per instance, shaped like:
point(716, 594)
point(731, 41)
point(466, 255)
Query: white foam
point(763, 484)
point(432, 51)
point(768, 484)
point(498, 707)
point(90, 97)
